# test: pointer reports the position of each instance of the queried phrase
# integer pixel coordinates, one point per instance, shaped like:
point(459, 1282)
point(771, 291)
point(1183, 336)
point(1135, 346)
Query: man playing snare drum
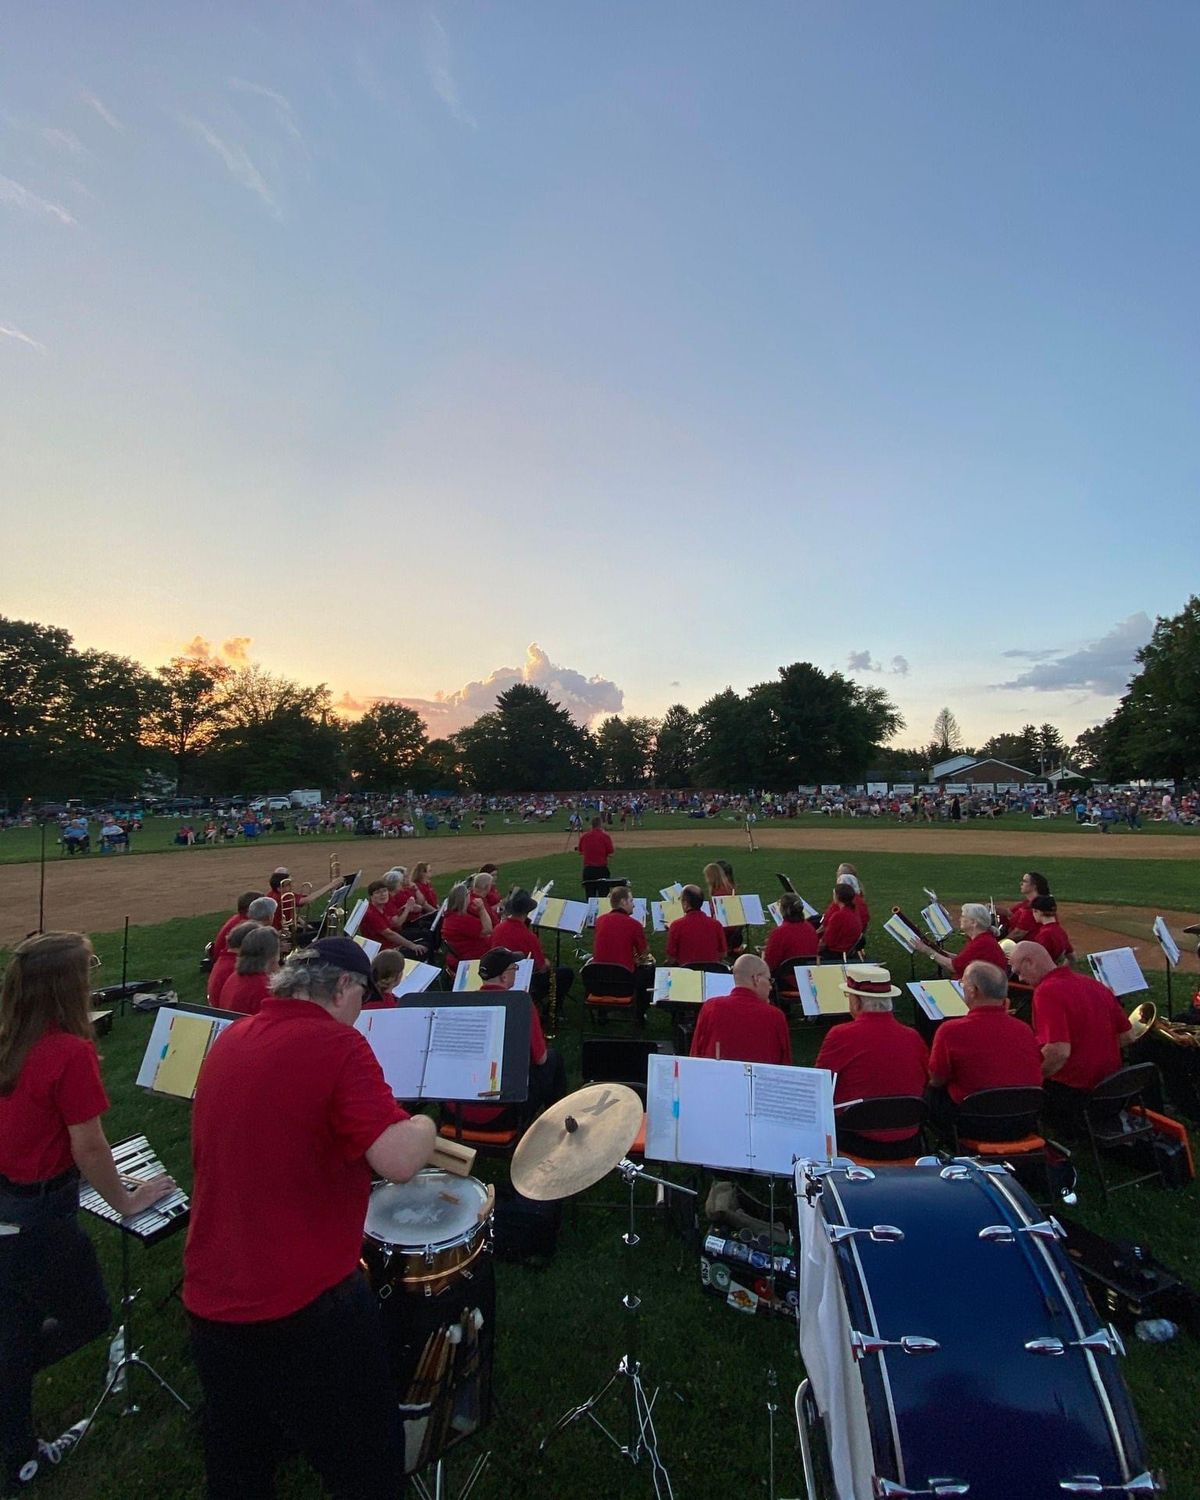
point(292, 1118)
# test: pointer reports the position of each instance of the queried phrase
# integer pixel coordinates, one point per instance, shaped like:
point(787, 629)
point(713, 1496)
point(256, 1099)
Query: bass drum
point(949, 1345)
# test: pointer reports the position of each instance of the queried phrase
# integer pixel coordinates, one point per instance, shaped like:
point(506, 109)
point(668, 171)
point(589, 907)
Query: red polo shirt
point(983, 948)
point(244, 993)
point(1073, 1008)
point(516, 933)
point(791, 940)
point(620, 939)
point(218, 974)
point(874, 1056)
point(219, 942)
point(743, 1028)
point(863, 911)
point(484, 1114)
point(287, 1105)
point(1053, 937)
point(58, 1086)
point(377, 925)
point(595, 846)
point(695, 938)
point(842, 930)
point(464, 932)
point(277, 914)
point(985, 1049)
point(429, 893)
point(1021, 919)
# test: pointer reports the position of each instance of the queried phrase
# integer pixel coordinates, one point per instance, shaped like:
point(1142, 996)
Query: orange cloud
point(235, 652)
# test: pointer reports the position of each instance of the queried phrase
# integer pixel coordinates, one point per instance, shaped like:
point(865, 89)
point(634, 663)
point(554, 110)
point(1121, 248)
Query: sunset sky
point(637, 349)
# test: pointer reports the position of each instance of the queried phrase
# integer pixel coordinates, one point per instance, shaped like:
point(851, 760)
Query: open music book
point(663, 913)
point(820, 987)
point(467, 980)
point(937, 919)
point(598, 905)
point(564, 916)
point(179, 1042)
point(777, 916)
point(438, 1052)
point(737, 911)
point(689, 986)
point(896, 927)
point(416, 977)
point(1166, 941)
point(1119, 969)
point(940, 999)
point(753, 1117)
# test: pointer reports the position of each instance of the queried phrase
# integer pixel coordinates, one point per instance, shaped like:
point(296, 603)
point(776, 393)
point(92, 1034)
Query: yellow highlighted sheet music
point(187, 1046)
point(947, 995)
point(823, 983)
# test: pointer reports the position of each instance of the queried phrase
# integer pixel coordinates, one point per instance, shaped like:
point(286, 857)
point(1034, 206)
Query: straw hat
point(869, 979)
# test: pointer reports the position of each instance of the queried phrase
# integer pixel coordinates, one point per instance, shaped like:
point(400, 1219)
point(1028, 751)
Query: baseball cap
point(344, 953)
point(496, 960)
point(520, 904)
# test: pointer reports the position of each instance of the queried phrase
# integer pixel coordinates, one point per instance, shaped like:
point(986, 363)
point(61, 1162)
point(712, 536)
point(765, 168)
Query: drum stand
point(440, 1490)
point(642, 1437)
point(120, 1375)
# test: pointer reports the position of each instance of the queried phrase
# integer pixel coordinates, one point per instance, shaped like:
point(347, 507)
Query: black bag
point(1126, 1282)
point(525, 1230)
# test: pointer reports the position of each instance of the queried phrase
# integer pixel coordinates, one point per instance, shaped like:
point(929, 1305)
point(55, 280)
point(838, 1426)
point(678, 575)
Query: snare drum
point(949, 1345)
point(422, 1236)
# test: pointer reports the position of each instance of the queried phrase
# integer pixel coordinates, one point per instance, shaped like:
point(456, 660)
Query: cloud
point(13, 195)
point(105, 114)
point(235, 652)
point(435, 51)
point(584, 698)
point(863, 661)
point(21, 338)
point(351, 705)
point(65, 140)
point(284, 112)
point(237, 161)
point(1030, 655)
point(1103, 666)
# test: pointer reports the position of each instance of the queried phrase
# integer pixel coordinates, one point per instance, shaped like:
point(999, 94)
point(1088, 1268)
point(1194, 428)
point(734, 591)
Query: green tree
point(624, 748)
point(529, 743)
point(1050, 747)
point(275, 734)
point(730, 743)
point(439, 767)
point(1155, 730)
point(947, 736)
point(36, 666)
point(814, 726)
point(185, 712)
point(1019, 750)
point(675, 747)
point(385, 746)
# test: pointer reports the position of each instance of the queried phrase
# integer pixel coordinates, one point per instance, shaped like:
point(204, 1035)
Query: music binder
point(181, 1038)
point(402, 1047)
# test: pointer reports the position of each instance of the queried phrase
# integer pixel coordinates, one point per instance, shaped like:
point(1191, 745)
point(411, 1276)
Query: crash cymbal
point(577, 1141)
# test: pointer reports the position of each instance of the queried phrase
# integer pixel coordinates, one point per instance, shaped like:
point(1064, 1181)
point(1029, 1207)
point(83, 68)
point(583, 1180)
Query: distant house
point(969, 769)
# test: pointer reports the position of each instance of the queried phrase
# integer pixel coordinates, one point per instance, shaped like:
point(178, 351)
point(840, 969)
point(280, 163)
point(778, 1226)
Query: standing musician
point(292, 1118)
point(695, 937)
point(982, 946)
point(52, 1298)
point(744, 1026)
point(514, 931)
point(595, 846)
point(841, 926)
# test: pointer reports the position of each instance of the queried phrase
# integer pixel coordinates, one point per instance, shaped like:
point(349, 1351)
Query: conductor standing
point(595, 846)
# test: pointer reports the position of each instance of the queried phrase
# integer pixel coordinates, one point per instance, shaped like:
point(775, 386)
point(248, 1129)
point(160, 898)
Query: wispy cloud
point(105, 114)
point(435, 51)
point(1102, 666)
point(7, 332)
point(863, 661)
point(63, 140)
point(284, 112)
point(235, 652)
point(237, 161)
point(13, 195)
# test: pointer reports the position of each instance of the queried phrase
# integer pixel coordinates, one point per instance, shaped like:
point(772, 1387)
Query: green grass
point(560, 1331)
point(23, 845)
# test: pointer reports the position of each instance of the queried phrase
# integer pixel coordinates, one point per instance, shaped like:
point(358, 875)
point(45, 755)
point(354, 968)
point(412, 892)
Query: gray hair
point(394, 877)
point(259, 950)
point(306, 976)
point(459, 898)
point(483, 882)
point(261, 909)
point(876, 1002)
point(989, 979)
point(975, 911)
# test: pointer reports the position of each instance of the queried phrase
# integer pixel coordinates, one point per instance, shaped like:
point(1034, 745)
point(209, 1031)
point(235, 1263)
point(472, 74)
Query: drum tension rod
point(888, 1489)
point(863, 1344)
point(1107, 1339)
point(1005, 1234)
point(881, 1234)
point(1089, 1484)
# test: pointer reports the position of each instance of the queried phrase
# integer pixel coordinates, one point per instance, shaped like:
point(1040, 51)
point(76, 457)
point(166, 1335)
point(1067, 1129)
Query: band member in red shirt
point(985, 1049)
point(695, 937)
point(595, 846)
point(1018, 921)
point(514, 931)
point(1048, 930)
point(795, 938)
point(292, 1119)
point(547, 1072)
point(743, 1026)
point(841, 929)
point(620, 939)
point(250, 983)
point(424, 887)
point(718, 876)
point(243, 909)
point(52, 1297)
point(376, 926)
point(466, 927)
point(852, 878)
point(982, 946)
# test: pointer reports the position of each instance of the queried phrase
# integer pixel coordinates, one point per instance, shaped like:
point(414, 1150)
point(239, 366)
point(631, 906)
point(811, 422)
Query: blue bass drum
point(949, 1346)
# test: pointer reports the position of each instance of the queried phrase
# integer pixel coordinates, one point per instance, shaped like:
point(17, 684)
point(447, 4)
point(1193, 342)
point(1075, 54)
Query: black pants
point(539, 988)
point(48, 1271)
point(317, 1381)
point(547, 1081)
point(594, 876)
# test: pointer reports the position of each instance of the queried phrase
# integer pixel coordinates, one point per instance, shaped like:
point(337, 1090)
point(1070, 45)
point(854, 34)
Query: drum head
point(435, 1208)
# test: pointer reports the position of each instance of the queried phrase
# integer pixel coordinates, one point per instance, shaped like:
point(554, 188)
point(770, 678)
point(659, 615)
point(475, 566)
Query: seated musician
point(514, 931)
point(243, 910)
point(1049, 931)
point(250, 983)
point(487, 885)
point(387, 970)
point(982, 946)
point(406, 911)
point(743, 1026)
point(222, 971)
point(621, 939)
point(424, 888)
point(376, 926)
point(841, 926)
point(547, 1072)
point(874, 1056)
point(795, 938)
point(1079, 1026)
point(466, 927)
point(1017, 921)
point(985, 1049)
point(695, 937)
point(852, 878)
point(718, 876)
point(52, 1297)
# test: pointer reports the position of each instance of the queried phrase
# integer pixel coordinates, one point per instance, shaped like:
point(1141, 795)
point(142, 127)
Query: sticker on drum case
point(705, 1272)
point(720, 1276)
point(743, 1299)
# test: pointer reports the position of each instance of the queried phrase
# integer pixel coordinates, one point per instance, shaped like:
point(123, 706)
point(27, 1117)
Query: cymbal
point(577, 1141)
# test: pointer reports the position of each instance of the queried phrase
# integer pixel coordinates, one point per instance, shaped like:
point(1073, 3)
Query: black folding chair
point(888, 1112)
point(1111, 1124)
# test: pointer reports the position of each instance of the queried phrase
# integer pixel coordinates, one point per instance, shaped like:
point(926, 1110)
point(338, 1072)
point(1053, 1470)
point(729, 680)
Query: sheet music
point(937, 919)
point(940, 999)
point(1119, 969)
point(677, 986)
point(820, 987)
point(714, 1112)
point(598, 905)
point(467, 980)
point(663, 913)
point(179, 1042)
point(1166, 942)
point(369, 946)
point(897, 928)
point(438, 915)
point(555, 913)
point(416, 978)
point(738, 911)
point(354, 920)
point(398, 1039)
point(671, 892)
point(791, 1114)
point(470, 1038)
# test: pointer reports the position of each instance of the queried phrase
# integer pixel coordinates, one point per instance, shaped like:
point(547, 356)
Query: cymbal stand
point(643, 1440)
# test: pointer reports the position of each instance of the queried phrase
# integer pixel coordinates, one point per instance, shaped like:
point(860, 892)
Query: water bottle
point(1156, 1330)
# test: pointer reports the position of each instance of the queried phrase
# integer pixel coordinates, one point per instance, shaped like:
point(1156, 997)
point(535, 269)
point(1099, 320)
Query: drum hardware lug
point(1005, 1234)
point(1107, 1339)
point(814, 1171)
point(955, 1172)
point(1089, 1484)
point(863, 1344)
point(888, 1489)
point(880, 1234)
point(928, 1161)
point(1045, 1346)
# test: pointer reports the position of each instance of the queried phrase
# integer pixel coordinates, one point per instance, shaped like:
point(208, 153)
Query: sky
point(632, 350)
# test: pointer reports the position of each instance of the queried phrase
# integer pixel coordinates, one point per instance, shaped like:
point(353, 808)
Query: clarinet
point(929, 941)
